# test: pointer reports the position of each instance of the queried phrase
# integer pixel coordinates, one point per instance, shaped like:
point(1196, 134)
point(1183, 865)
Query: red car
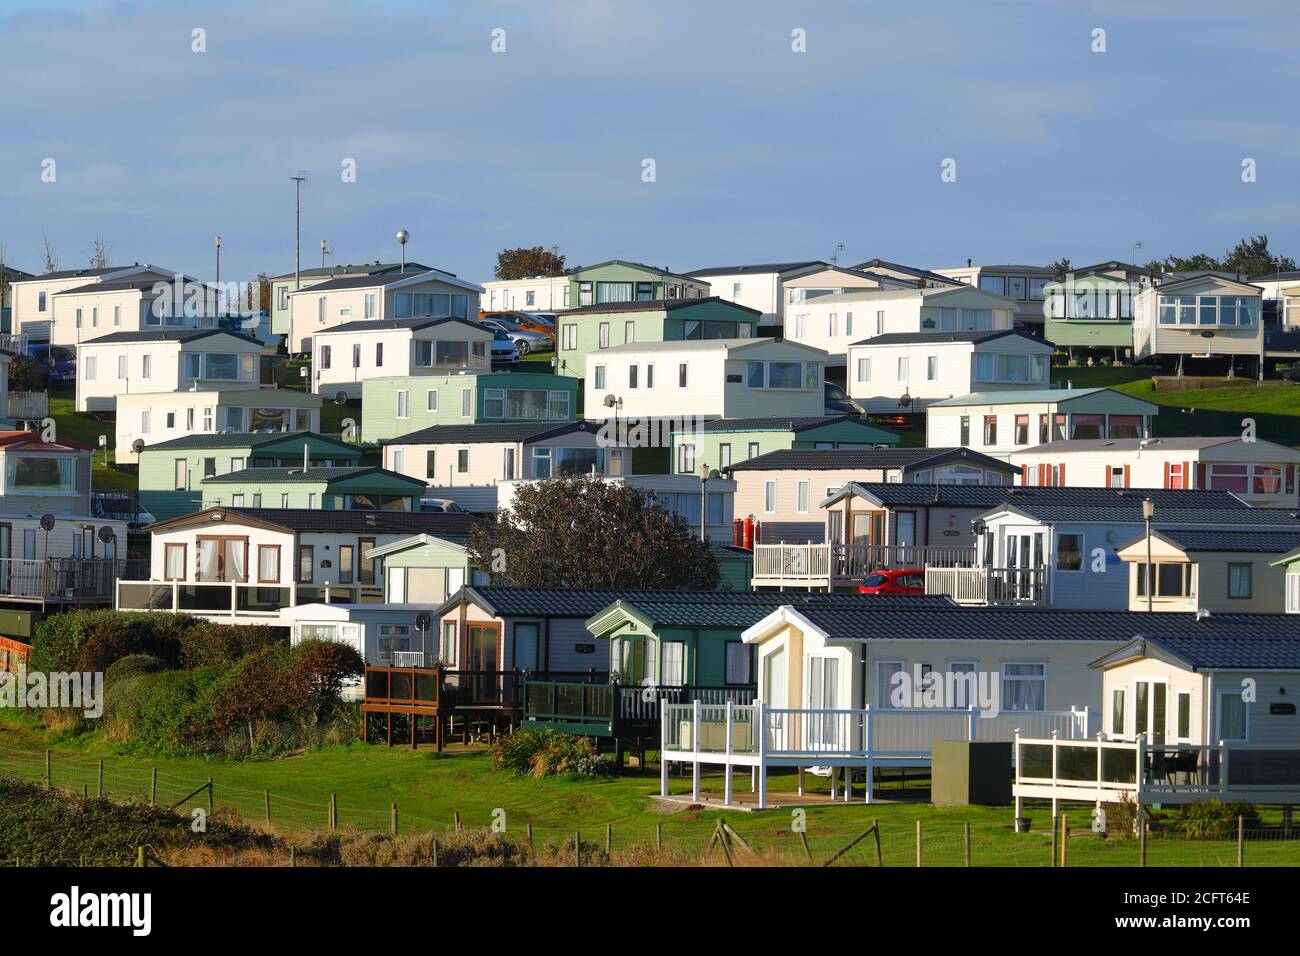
point(896, 581)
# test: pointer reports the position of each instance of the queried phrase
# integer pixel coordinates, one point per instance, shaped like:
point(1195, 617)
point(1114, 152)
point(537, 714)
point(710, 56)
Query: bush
point(131, 666)
point(1213, 820)
point(1121, 818)
point(94, 640)
point(546, 753)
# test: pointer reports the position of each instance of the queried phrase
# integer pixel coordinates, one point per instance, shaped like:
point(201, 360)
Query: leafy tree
point(1250, 256)
point(25, 375)
point(1253, 258)
point(583, 532)
point(1062, 266)
point(524, 263)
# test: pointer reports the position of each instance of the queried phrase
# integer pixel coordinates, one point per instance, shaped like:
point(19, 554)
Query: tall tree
point(525, 263)
point(1062, 266)
point(583, 532)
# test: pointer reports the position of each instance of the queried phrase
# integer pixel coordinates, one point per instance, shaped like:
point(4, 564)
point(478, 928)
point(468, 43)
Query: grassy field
point(1273, 404)
point(430, 790)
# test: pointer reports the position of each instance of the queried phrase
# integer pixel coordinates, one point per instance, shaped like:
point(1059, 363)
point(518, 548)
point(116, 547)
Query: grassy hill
point(1273, 404)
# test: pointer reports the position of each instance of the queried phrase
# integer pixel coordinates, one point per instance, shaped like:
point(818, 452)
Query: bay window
point(416, 305)
point(1173, 580)
point(40, 474)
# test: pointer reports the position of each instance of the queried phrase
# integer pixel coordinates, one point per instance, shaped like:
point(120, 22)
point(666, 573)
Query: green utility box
point(964, 773)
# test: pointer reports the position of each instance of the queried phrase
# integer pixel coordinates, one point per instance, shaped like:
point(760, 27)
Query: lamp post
point(1148, 511)
point(217, 242)
point(705, 473)
point(402, 238)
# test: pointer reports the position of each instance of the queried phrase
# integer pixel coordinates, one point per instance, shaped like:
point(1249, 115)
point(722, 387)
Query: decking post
point(1056, 803)
point(695, 749)
point(1056, 832)
point(762, 755)
point(663, 746)
point(1223, 771)
point(835, 781)
point(726, 766)
point(870, 782)
point(970, 724)
point(1142, 838)
point(1241, 840)
point(801, 781)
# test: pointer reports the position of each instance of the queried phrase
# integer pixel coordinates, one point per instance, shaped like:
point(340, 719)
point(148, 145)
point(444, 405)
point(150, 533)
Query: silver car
point(525, 340)
point(504, 351)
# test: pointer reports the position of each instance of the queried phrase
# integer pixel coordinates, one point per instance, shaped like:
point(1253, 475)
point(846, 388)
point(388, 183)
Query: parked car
point(529, 321)
point(838, 402)
point(57, 363)
point(894, 581)
point(503, 350)
point(525, 340)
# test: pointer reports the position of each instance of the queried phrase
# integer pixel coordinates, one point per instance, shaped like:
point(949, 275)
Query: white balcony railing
point(229, 600)
point(994, 586)
point(1107, 770)
point(408, 658)
point(829, 564)
point(27, 405)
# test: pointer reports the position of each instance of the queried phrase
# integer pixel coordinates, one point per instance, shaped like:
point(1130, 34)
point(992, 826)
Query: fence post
point(334, 811)
point(212, 797)
point(100, 791)
point(266, 805)
point(966, 840)
point(659, 836)
point(293, 855)
point(577, 848)
point(1142, 839)
point(1065, 840)
point(153, 787)
point(529, 831)
point(455, 819)
point(918, 842)
point(1241, 840)
point(140, 858)
point(394, 821)
point(609, 836)
point(49, 770)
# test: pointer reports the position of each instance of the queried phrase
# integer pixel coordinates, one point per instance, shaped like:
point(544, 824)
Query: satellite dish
point(341, 398)
point(423, 620)
point(137, 446)
point(47, 522)
point(105, 534)
point(610, 401)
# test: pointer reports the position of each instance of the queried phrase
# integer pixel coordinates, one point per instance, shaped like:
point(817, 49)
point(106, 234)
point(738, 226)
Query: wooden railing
point(65, 580)
point(441, 687)
point(992, 586)
point(608, 701)
point(843, 563)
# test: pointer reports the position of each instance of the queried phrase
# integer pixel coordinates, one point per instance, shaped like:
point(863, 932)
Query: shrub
point(131, 666)
point(1121, 818)
point(544, 753)
point(208, 643)
point(1213, 820)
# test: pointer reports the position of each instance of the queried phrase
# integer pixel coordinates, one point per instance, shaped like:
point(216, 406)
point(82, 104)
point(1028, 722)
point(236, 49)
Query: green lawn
point(1274, 405)
point(69, 423)
point(430, 790)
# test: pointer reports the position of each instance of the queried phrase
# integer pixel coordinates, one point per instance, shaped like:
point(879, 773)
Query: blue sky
point(761, 153)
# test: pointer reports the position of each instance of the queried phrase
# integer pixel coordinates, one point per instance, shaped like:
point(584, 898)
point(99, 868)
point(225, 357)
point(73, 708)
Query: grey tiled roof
point(909, 459)
point(676, 607)
point(164, 335)
point(939, 338)
point(794, 424)
point(490, 432)
point(295, 473)
point(653, 305)
point(1015, 624)
point(1207, 539)
point(380, 279)
point(244, 440)
point(438, 523)
point(990, 496)
point(385, 325)
point(1247, 652)
point(758, 269)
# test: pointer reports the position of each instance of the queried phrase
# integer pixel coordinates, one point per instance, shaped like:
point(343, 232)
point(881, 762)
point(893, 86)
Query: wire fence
point(683, 837)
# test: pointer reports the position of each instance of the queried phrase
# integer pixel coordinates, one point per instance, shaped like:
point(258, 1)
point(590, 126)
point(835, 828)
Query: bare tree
point(51, 257)
point(100, 252)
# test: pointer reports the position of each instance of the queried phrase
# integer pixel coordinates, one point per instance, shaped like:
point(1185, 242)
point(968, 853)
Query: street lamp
point(705, 473)
point(402, 237)
point(216, 242)
point(1148, 511)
